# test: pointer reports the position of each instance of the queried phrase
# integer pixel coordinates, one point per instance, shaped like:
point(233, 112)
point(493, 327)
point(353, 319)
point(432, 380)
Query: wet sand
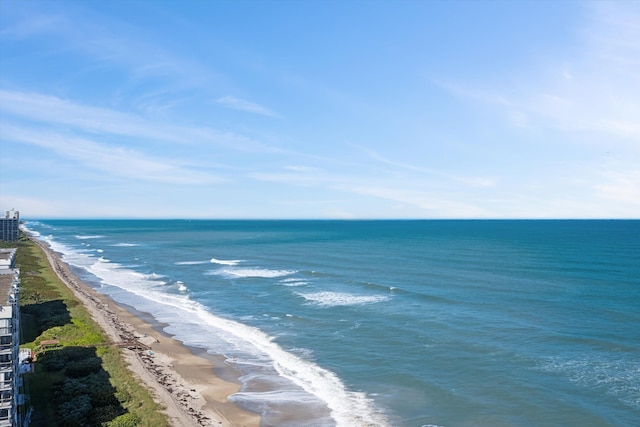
point(180, 380)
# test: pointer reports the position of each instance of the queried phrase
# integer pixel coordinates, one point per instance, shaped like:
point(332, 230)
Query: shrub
point(68, 389)
point(123, 396)
point(104, 415)
point(125, 420)
point(82, 368)
point(74, 413)
point(79, 353)
point(53, 360)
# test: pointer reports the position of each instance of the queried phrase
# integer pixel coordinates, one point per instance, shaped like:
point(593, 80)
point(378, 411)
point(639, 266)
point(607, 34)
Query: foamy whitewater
point(389, 323)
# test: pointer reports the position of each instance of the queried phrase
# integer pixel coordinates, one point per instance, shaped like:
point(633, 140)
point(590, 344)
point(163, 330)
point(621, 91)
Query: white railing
point(6, 403)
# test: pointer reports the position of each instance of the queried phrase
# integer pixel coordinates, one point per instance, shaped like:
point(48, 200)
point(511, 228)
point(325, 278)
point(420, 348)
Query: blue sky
point(320, 109)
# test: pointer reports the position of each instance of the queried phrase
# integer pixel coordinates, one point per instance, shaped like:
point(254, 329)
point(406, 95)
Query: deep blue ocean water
point(390, 323)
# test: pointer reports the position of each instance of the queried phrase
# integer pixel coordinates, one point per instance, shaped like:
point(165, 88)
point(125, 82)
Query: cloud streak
point(594, 88)
point(434, 205)
point(115, 161)
point(52, 110)
point(246, 106)
point(621, 187)
point(413, 198)
point(466, 180)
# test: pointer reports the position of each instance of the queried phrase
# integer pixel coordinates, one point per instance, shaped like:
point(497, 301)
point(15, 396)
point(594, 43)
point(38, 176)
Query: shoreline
point(180, 378)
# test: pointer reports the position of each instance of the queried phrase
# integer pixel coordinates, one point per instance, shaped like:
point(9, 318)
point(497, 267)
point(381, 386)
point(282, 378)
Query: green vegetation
point(83, 380)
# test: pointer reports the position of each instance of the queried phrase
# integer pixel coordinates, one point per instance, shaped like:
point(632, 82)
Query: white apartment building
point(10, 379)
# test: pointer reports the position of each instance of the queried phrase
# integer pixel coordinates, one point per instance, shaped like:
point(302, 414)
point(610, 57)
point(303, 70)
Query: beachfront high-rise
point(10, 380)
point(9, 226)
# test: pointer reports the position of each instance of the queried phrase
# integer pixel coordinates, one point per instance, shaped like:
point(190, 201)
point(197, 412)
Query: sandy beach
point(181, 381)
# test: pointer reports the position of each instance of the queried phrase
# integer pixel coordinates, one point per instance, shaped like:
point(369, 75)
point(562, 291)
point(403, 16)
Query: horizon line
point(332, 219)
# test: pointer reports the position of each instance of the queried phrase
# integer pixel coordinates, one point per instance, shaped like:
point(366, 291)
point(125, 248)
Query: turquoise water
point(390, 323)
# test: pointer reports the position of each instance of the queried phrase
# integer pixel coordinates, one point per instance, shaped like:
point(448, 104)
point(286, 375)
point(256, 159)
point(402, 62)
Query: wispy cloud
point(114, 161)
point(411, 195)
point(621, 186)
point(117, 43)
point(45, 206)
point(35, 25)
point(35, 107)
point(246, 106)
point(295, 178)
point(614, 32)
point(428, 204)
point(301, 168)
point(466, 180)
point(593, 88)
point(142, 71)
point(50, 109)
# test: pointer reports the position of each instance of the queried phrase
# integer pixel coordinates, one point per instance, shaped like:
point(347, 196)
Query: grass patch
point(85, 381)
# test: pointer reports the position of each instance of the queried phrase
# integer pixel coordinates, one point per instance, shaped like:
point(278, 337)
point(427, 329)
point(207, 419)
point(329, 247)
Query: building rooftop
point(6, 253)
point(6, 280)
point(7, 258)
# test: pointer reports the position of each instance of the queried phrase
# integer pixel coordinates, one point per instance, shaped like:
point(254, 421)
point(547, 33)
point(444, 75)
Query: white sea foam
point(125, 245)
point(148, 276)
point(294, 284)
point(348, 408)
point(334, 299)
point(257, 349)
point(191, 262)
point(252, 272)
point(225, 262)
point(195, 325)
point(77, 257)
point(619, 376)
point(25, 227)
point(81, 237)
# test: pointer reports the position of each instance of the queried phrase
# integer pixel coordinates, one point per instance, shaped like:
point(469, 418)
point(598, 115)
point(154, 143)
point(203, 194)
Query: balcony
point(6, 402)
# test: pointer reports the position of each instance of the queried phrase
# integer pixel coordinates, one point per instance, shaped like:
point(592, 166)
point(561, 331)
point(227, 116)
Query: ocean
point(389, 323)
